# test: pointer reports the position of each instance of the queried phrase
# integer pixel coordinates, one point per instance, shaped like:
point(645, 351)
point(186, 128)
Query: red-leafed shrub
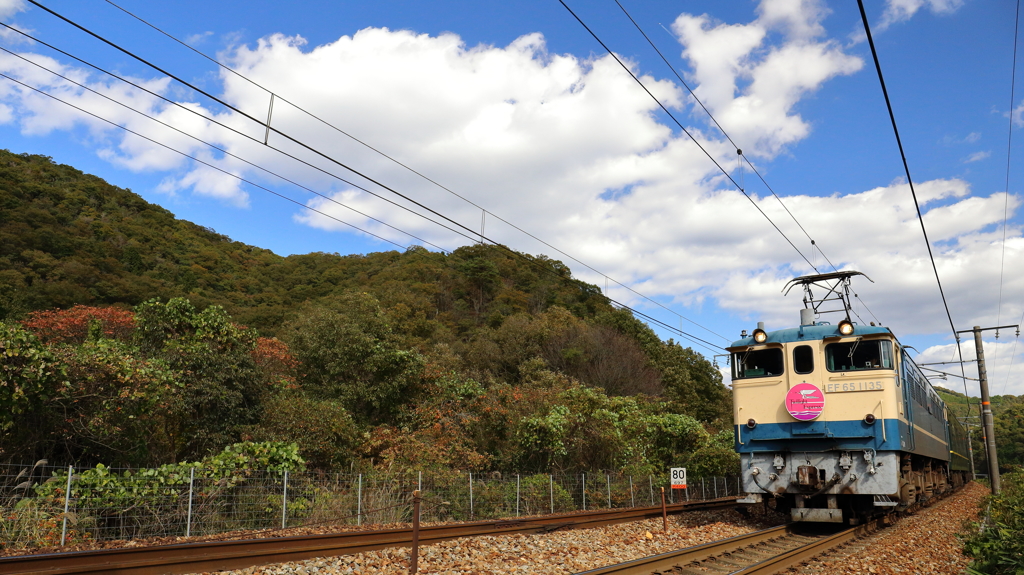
point(74, 325)
point(276, 361)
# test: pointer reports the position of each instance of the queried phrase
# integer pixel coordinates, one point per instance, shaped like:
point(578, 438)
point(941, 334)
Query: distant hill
point(71, 238)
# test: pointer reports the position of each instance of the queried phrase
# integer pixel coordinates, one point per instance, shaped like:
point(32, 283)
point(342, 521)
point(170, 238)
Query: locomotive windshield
point(858, 355)
point(757, 363)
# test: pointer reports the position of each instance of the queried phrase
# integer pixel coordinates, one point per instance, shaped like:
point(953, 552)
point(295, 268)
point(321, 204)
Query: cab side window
point(803, 359)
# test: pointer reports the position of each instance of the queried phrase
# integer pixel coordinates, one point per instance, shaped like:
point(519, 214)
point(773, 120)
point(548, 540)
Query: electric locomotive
point(835, 423)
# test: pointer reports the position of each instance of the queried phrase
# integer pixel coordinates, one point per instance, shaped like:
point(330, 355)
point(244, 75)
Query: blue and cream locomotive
point(836, 423)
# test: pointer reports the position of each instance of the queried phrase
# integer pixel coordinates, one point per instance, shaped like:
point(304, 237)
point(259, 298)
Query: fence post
point(632, 496)
point(414, 560)
point(551, 488)
point(686, 490)
point(664, 512)
point(517, 495)
point(716, 486)
point(471, 496)
point(188, 520)
point(650, 483)
point(67, 499)
point(584, 491)
point(284, 501)
point(608, 483)
point(359, 501)
point(703, 490)
point(671, 494)
point(419, 481)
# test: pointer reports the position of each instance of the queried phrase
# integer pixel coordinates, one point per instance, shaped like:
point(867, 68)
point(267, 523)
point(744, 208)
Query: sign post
point(677, 477)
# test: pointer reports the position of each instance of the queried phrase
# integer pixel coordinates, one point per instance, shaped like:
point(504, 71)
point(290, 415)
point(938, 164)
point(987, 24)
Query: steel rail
point(793, 558)
point(238, 554)
point(663, 561)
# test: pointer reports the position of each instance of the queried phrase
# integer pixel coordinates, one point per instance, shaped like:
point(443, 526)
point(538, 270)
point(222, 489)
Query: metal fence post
point(471, 496)
point(703, 490)
point(686, 490)
point(419, 482)
point(67, 499)
point(188, 520)
point(584, 491)
point(716, 486)
point(650, 482)
point(632, 495)
point(284, 502)
point(608, 482)
point(517, 495)
point(551, 488)
point(359, 501)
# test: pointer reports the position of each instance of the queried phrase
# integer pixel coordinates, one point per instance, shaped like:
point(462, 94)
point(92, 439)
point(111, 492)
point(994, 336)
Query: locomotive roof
point(810, 333)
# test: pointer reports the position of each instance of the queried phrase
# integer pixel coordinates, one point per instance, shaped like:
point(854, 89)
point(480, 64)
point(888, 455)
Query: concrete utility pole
point(986, 408)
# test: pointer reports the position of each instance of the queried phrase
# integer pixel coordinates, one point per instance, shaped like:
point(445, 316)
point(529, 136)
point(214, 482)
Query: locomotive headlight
point(760, 336)
point(751, 424)
point(846, 327)
point(869, 418)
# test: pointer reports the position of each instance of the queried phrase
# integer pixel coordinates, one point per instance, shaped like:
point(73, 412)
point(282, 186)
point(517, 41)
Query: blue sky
point(516, 107)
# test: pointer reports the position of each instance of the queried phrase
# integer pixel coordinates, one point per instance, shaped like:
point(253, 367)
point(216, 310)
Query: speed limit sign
point(677, 476)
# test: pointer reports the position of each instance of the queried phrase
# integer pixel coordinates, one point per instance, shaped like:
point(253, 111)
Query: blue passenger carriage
point(836, 423)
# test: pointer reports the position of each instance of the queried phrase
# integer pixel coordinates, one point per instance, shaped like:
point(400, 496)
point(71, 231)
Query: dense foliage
point(130, 338)
point(997, 544)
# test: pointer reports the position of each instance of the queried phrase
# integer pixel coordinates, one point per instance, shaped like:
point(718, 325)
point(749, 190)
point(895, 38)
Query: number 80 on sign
point(677, 476)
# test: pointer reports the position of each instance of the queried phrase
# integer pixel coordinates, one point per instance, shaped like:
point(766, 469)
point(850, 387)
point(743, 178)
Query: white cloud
point(977, 156)
point(9, 8)
point(972, 137)
point(1018, 114)
point(752, 86)
point(897, 11)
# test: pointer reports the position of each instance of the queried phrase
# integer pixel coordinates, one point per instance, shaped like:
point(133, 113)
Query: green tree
point(350, 354)
point(221, 391)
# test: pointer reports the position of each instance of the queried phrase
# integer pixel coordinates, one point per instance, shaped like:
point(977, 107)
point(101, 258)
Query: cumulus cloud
point(1018, 114)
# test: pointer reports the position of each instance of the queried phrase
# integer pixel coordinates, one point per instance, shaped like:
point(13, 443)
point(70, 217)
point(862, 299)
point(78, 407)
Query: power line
point(222, 150)
point(195, 159)
point(814, 244)
point(690, 337)
point(724, 133)
point(910, 181)
point(407, 167)
point(685, 131)
point(192, 111)
point(1009, 142)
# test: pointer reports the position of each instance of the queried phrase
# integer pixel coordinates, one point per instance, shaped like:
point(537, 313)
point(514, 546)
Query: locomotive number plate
point(854, 386)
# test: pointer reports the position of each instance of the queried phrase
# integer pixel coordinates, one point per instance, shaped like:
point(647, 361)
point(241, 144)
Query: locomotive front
point(816, 418)
point(835, 423)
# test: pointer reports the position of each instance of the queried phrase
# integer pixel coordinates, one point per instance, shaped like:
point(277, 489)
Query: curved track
point(238, 554)
point(762, 553)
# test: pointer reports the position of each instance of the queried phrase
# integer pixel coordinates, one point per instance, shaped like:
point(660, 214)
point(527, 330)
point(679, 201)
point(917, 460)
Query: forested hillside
point(1008, 412)
point(129, 337)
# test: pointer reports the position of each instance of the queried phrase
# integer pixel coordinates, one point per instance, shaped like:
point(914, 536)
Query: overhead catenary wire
point(724, 133)
point(191, 110)
point(910, 182)
point(1006, 197)
point(203, 162)
point(219, 149)
point(690, 337)
point(276, 95)
point(685, 131)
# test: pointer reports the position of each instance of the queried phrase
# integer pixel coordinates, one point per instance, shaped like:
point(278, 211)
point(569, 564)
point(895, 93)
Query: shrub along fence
point(43, 506)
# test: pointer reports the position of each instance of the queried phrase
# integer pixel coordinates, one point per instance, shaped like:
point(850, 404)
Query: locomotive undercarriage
point(844, 486)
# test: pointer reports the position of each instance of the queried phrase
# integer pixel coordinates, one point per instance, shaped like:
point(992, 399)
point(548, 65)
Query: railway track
point(762, 553)
point(238, 554)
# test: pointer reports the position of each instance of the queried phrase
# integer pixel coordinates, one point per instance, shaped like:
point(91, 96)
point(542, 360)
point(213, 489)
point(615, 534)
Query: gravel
point(558, 552)
point(923, 544)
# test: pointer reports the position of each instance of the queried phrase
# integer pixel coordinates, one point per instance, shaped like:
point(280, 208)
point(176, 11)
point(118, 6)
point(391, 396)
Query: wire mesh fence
point(46, 506)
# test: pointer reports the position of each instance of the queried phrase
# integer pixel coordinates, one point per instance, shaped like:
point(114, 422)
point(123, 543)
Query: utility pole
point(988, 424)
